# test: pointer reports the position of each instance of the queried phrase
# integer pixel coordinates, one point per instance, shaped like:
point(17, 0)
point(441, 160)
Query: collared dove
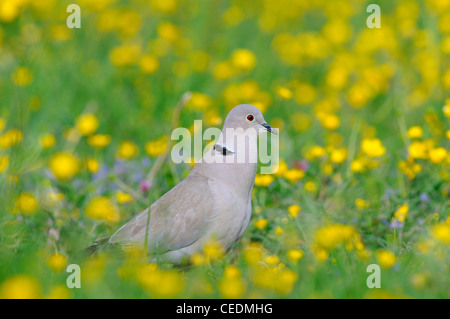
point(213, 201)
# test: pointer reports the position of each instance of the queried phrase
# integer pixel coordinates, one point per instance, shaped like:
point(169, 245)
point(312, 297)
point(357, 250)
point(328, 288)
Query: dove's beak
point(269, 128)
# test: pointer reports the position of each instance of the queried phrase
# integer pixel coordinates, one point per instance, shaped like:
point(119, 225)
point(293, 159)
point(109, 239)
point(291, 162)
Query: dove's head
point(247, 116)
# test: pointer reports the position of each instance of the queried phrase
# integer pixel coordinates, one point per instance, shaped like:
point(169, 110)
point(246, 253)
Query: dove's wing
point(178, 219)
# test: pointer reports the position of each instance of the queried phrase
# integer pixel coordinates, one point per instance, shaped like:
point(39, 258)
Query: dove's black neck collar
point(222, 150)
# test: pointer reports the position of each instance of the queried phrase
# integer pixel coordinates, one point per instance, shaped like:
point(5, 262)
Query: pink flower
point(145, 186)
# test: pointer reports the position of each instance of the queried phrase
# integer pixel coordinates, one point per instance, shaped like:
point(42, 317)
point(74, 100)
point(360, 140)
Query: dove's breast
point(232, 217)
point(231, 186)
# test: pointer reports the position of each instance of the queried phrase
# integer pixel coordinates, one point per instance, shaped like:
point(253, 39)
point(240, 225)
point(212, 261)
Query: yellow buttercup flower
point(372, 147)
point(437, 155)
point(401, 213)
point(47, 141)
point(99, 140)
point(253, 253)
point(223, 71)
point(418, 149)
point(280, 168)
point(357, 166)
point(442, 232)
point(160, 283)
point(446, 80)
point(243, 59)
point(87, 124)
point(361, 204)
point(25, 203)
point(359, 95)
point(415, 132)
point(310, 187)
point(127, 150)
point(125, 55)
point(212, 118)
point(232, 285)
point(279, 230)
point(295, 255)
point(233, 16)
point(337, 31)
point(92, 165)
point(197, 259)
point(22, 76)
point(262, 106)
point(337, 77)
point(446, 108)
point(168, 31)
point(294, 210)
point(329, 121)
point(199, 101)
point(213, 250)
point(272, 260)
point(305, 93)
point(232, 288)
point(128, 22)
point(261, 223)
point(10, 138)
point(123, 198)
point(149, 64)
point(338, 155)
point(315, 152)
point(167, 6)
point(330, 236)
point(4, 163)
point(64, 166)
point(321, 254)
point(102, 208)
point(284, 93)
point(327, 168)
point(231, 271)
point(386, 259)
point(419, 280)
point(280, 281)
point(60, 32)
point(263, 180)
point(20, 287)
point(410, 168)
point(157, 148)
point(57, 262)
point(294, 175)
point(9, 10)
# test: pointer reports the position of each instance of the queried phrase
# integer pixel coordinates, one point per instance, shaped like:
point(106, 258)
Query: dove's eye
point(250, 118)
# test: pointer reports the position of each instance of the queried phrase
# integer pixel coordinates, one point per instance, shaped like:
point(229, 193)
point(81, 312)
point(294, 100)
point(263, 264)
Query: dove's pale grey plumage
point(213, 201)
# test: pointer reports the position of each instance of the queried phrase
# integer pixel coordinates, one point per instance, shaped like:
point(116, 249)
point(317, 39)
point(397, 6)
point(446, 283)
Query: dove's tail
point(98, 245)
point(103, 246)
